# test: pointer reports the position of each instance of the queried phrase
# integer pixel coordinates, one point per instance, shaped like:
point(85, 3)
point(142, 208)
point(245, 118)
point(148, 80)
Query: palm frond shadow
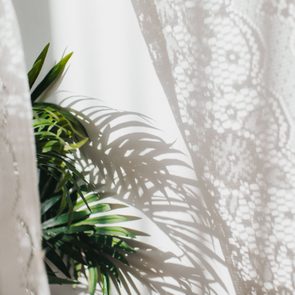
point(129, 156)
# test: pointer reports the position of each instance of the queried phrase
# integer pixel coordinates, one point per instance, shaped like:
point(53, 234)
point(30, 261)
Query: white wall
point(110, 60)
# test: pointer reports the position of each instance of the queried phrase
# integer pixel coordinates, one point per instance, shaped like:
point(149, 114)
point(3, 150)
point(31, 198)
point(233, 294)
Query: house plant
point(79, 238)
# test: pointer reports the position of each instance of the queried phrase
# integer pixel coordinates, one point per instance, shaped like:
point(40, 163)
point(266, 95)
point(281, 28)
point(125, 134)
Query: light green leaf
point(92, 279)
point(106, 285)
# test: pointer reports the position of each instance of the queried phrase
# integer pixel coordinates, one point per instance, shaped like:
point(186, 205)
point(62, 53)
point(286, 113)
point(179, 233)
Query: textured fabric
point(227, 67)
point(21, 270)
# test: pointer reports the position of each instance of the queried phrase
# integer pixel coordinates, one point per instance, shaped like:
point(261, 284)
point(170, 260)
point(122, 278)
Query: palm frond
point(81, 235)
point(52, 76)
point(123, 153)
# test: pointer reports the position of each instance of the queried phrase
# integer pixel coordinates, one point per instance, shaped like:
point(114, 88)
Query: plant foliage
point(80, 232)
point(129, 157)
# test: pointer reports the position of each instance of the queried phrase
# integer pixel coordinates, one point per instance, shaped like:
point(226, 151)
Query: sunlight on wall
point(110, 61)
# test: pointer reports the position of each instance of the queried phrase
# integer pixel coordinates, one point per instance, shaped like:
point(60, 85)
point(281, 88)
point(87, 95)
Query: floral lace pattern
point(226, 67)
point(22, 270)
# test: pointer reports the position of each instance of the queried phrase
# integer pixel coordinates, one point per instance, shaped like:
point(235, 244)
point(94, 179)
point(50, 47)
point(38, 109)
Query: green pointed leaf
point(61, 281)
point(106, 287)
point(92, 279)
point(118, 231)
point(89, 198)
point(64, 219)
point(37, 66)
point(76, 145)
point(75, 254)
point(58, 262)
point(46, 205)
point(70, 230)
point(100, 207)
point(49, 145)
point(126, 247)
point(51, 77)
point(107, 219)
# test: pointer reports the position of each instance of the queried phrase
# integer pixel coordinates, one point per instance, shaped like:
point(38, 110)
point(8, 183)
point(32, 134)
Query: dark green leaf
point(47, 204)
point(57, 261)
point(37, 66)
point(61, 281)
point(51, 77)
point(64, 219)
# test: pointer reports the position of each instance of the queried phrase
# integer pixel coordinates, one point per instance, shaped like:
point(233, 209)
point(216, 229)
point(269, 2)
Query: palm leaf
point(37, 66)
point(92, 279)
point(84, 230)
point(76, 235)
point(51, 77)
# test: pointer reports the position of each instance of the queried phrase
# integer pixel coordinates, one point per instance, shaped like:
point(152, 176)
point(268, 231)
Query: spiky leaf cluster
point(79, 235)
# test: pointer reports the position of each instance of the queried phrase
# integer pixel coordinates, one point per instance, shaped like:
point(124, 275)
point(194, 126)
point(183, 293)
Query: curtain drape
point(21, 269)
point(227, 67)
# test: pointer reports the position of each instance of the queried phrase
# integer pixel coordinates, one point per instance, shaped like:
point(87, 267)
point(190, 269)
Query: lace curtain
point(21, 269)
point(227, 67)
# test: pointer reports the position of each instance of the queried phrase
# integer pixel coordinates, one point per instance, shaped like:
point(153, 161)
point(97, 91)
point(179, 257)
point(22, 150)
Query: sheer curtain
point(21, 269)
point(227, 68)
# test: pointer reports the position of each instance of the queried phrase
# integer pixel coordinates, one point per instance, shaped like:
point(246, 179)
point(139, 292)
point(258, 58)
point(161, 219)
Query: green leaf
point(46, 205)
point(89, 198)
point(49, 146)
point(124, 246)
point(64, 219)
point(76, 145)
point(76, 238)
point(107, 219)
point(37, 66)
point(61, 281)
point(98, 207)
point(118, 231)
point(106, 288)
point(70, 230)
point(92, 279)
point(73, 253)
point(51, 77)
point(58, 262)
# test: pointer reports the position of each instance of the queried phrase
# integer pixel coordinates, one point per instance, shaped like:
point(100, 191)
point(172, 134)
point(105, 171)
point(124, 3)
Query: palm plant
point(79, 235)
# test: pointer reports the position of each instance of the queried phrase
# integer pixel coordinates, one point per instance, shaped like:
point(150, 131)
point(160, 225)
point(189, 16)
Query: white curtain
point(21, 269)
point(227, 67)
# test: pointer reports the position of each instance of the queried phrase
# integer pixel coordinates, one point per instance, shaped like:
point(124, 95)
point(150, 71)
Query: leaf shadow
point(129, 156)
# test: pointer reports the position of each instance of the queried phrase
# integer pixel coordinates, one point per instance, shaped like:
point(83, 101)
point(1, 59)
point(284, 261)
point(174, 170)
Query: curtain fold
point(22, 270)
point(227, 68)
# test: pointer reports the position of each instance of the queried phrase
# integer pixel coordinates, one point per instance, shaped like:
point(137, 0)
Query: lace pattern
point(226, 67)
point(22, 269)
